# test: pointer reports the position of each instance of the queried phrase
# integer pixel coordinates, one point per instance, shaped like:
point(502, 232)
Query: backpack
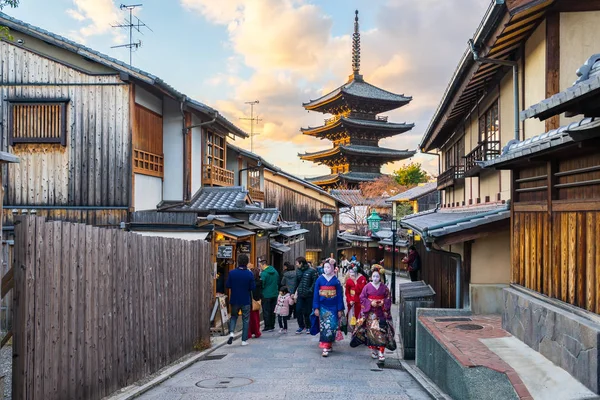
point(416, 265)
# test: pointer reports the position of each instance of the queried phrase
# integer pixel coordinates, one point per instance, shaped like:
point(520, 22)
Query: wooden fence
point(97, 309)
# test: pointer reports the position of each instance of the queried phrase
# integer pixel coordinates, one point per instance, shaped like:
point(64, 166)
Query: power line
point(131, 25)
point(252, 120)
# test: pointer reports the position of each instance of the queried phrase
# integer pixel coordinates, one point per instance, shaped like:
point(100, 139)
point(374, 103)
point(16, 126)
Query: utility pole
point(252, 119)
point(131, 26)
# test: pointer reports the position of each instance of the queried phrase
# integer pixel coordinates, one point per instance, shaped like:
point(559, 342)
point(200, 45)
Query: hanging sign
point(244, 247)
point(225, 252)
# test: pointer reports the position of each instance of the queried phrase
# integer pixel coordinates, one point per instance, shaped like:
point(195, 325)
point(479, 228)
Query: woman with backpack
point(413, 259)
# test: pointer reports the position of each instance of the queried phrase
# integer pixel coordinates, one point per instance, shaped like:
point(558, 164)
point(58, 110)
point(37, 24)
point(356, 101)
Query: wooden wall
point(105, 218)
point(556, 230)
point(295, 206)
point(99, 309)
point(94, 167)
point(439, 271)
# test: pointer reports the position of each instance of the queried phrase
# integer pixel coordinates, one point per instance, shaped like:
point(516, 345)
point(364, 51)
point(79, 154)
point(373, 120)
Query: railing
point(256, 194)
point(147, 163)
point(449, 177)
point(485, 151)
point(216, 176)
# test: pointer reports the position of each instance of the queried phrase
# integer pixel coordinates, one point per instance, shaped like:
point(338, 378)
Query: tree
point(357, 212)
point(411, 175)
point(385, 186)
point(4, 32)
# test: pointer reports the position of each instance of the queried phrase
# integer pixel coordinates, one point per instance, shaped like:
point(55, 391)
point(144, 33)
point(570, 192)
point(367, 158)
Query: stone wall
point(567, 336)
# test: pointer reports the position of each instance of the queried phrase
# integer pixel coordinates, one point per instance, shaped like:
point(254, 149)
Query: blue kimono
point(328, 299)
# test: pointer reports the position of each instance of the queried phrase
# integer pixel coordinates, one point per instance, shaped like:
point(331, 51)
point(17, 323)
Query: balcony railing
point(256, 194)
point(485, 151)
point(216, 176)
point(147, 163)
point(449, 177)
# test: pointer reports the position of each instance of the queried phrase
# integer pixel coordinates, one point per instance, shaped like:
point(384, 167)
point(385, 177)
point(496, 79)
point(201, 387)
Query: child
point(282, 309)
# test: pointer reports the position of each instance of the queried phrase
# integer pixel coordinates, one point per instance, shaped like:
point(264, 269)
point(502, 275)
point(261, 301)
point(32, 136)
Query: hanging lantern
point(373, 221)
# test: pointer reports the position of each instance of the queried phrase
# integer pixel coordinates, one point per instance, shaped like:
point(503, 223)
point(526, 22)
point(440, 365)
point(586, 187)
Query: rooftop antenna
point(131, 25)
point(252, 120)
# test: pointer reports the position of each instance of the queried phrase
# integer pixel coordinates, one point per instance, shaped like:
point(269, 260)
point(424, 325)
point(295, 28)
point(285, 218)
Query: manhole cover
point(224, 383)
point(460, 319)
point(469, 327)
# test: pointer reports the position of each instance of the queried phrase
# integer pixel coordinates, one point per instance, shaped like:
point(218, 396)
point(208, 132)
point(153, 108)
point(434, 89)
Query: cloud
point(97, 17)
point(293, 56)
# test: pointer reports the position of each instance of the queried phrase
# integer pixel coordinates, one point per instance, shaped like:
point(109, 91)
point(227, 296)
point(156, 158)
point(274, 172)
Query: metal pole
point(252, 127)
point(394, 266)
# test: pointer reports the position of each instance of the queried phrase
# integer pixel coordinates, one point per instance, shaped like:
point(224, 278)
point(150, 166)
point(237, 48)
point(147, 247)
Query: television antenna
point(131, 25)
point(252, 120)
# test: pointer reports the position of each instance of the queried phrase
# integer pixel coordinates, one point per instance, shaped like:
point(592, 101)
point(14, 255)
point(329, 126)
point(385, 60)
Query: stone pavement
point(290, 366)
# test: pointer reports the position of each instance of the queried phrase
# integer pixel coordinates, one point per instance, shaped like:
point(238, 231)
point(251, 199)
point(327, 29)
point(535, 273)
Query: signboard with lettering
point(244, 247)
point(225, 252)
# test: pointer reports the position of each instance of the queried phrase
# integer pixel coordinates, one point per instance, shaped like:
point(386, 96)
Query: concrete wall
point(562, 333)
point(148, 192)
point(173, 151)
point(579, 39)
point(535, 77)
point(148, 100)
point(490, 259)
point(489, 185)
point(196, 155)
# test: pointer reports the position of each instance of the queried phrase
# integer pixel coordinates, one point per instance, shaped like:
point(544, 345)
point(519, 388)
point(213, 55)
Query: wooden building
point(99, 139)
point(423, 197)
point(355, 128)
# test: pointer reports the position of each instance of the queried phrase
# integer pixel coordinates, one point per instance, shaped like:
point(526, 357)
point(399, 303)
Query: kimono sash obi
point(373, 297)
point(352, 292)
point(327, 291)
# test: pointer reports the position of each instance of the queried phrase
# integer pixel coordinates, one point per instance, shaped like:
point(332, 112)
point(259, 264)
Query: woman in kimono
point(374, 328)
point(355, 284)
point(328, 305)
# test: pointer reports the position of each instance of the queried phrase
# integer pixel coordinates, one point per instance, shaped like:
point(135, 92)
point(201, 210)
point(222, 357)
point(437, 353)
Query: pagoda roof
point(358, 88)
point(348, 177)
point(353, 149)
point(377, 125)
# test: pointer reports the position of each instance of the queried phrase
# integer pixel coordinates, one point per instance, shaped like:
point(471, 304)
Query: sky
point(282, 53)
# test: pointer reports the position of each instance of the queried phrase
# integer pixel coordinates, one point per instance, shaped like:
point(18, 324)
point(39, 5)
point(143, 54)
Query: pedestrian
point(344, 264)
point(320, 269)
point(241, 283)
point(374, 327)
point(379, 268)
point(413, 259)
point(270, 285)
point(305, 278)
point(282, 309)
point(289, 280)
point(256, 303)
point(328, 305)
point(355, 284)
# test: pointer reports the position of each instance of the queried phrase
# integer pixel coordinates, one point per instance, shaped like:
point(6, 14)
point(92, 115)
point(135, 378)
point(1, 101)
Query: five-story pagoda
point(355, 128)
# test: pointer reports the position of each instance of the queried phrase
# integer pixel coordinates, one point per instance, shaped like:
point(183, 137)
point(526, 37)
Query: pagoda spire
point(356, 48)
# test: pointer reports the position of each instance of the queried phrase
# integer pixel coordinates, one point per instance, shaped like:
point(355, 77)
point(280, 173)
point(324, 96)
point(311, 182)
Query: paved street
point(290, 366)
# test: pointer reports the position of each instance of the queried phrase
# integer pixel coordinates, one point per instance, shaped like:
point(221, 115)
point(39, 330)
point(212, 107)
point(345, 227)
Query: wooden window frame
point(210, 158)
point(455, 153)
point(62, 140)
point(485, 123)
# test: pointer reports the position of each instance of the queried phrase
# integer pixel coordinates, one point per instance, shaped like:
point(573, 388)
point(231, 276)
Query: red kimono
point(353, 291)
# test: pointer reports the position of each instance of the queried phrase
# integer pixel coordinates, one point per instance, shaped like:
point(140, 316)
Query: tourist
point(256, 303)
point(282, 309)
point(328, 305)
point(344, 263)
point(413, 259)
point(374, 328)
point(355, 284)
point(289, 280)
point(240, 282)
point(270, 285)
point(305, 278)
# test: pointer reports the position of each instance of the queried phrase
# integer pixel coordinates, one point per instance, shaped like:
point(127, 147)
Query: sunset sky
point(282, 53)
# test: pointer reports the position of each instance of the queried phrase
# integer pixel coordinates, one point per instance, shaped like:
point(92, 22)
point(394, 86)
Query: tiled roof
point(218, 199)
point(279, 247)
point(355, 238)
point(291, 233)
point(399, 242)
point(415, 192)
point(268, 215)
point(437, 223)
point(373, 151)
point(360, 88)
point(235, 231)
point(96, 56)
point(348, 176)
point(545, 141)
point(355, 197)
point(377, 124)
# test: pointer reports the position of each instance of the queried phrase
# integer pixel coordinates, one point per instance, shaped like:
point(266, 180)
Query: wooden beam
point(8, 281)
point(575, 206)
point(530, 207)
point(552, 63)
point(6, 338)
point(577, 5)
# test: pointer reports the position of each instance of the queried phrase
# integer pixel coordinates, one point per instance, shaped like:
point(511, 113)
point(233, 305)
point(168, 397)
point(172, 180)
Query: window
point(253, 177)
point(340, 169)
point(215, 150)
point(38, 121)
point(455, 153)
point(489, 125)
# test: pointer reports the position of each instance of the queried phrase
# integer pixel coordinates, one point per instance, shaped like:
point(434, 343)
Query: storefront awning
point(293, 233)
point(235, 232)
point(279, 247)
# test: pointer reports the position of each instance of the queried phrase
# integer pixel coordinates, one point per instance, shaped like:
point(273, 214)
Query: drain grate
point(457, 319)
point(469, 327)
point(212, 357)
point(224, 383)
point(393, 363)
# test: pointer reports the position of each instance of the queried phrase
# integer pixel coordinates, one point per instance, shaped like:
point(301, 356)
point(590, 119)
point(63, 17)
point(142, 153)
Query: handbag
point(314, 324)
point(343, 325)
point(256, 305)
point(338, 336)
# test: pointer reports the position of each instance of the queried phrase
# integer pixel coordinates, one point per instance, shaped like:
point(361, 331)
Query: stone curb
point(133, 391)
point(427, 384)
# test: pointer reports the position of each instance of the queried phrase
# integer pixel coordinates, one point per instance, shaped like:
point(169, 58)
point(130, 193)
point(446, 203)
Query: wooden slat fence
point(97, 309)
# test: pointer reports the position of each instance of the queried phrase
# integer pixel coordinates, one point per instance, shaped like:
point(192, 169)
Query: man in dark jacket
point(413, 259)
point(305, 278)
point(270, 282)
point(241, 283)
point(289, 280)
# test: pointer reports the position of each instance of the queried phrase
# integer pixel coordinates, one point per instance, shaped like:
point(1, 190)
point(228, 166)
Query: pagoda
point(355, 128)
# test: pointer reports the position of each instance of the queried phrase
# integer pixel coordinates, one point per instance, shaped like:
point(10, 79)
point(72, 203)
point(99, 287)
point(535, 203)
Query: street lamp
point(373, 221)
point(394, 229)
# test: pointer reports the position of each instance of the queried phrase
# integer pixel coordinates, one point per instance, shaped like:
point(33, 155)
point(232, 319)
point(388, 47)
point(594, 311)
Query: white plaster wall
point(490, 259)
point(173, 151)
point(196, 156)
point(148, 100)
point(535, 77)
point(148, 192)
